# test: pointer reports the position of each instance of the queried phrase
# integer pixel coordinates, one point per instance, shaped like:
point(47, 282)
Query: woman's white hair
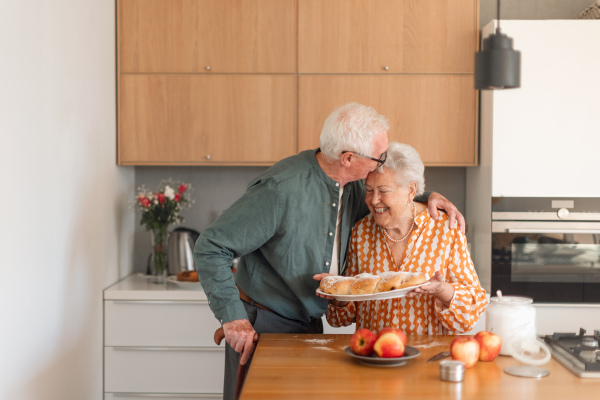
point(405, 161)
point(351, 127)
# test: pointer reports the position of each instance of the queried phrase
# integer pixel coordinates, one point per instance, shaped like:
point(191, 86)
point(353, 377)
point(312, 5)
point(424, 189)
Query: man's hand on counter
point(240, 336)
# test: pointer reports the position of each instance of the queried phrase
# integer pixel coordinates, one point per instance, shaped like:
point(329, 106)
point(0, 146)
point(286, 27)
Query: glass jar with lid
point(510, 317)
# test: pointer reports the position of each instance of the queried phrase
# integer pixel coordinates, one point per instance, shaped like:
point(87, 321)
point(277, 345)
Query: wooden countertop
point(315, 367)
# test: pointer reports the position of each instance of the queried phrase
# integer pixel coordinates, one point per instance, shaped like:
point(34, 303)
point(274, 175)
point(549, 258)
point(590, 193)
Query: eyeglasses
point(379, 160)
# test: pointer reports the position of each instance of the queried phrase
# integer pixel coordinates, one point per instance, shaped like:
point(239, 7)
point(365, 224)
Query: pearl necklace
point(409, 231)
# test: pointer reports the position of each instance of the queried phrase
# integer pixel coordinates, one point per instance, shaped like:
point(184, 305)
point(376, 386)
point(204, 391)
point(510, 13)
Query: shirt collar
point(319, 170)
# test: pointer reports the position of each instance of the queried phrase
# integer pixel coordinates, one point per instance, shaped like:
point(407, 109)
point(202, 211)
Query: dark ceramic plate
point(409, 353)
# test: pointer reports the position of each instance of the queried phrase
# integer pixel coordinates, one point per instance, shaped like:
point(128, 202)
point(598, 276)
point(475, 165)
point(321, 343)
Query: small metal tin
point(452, 371)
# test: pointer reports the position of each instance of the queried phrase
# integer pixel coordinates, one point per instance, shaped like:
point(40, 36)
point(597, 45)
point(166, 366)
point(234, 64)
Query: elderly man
point(293, 222)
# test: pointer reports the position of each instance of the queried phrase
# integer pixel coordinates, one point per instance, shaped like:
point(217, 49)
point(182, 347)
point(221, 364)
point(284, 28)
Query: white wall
point(65, 228)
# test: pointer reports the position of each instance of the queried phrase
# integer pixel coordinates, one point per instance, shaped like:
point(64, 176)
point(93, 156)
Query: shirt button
point(333, 204)
point(327, 263)
point(330, 233)
point(337, 184)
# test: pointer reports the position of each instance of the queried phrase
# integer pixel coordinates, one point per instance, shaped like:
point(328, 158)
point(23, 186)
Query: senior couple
point(313, 215)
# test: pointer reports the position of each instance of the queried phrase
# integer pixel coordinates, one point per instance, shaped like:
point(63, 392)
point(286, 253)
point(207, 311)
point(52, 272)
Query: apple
point(398, 332)
point(489, 345)
point(362, 342)
point(389, 345)
point(465, 349)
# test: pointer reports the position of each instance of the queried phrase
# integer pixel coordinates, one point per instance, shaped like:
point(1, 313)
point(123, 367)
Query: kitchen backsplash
point(216, 188)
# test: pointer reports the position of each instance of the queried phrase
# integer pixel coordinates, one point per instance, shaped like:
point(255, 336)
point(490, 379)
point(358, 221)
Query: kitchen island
point(316, 367)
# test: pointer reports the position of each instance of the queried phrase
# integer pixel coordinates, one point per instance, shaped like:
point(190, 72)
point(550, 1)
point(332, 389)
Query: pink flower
point(145, 202)
point(160, 197)
point(182, 188)
point(177, 196)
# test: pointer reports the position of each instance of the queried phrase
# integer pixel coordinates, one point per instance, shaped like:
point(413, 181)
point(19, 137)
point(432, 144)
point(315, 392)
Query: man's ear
point(346, 159)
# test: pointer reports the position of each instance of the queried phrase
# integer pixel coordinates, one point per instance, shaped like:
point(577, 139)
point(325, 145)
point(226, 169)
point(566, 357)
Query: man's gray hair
point(405, 161)
point(351, 127)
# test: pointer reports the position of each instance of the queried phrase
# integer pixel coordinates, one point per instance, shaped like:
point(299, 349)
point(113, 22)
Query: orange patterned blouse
point(432, 246)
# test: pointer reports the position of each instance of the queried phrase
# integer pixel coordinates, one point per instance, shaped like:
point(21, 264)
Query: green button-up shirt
point(283, 228)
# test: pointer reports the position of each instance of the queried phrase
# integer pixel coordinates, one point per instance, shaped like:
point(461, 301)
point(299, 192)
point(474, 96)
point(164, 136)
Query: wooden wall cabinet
point(249, 82)
point(441, 127)
point(387, 36)
point(201, 118)
point(202, 36)
point(206, 82)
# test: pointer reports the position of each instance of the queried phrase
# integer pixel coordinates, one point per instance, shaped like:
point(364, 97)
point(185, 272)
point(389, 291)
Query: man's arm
point(245, 226)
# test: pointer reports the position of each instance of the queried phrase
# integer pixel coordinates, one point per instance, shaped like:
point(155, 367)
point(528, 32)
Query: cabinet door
point(436, 114)
point(366, 36)
point(191, 35)
point(159, 323)
point(206, 119)
point(163, 370)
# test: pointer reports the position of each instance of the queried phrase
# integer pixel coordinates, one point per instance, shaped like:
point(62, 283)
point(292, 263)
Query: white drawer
point(163, 370)
point(160, 396)
point(159, 323)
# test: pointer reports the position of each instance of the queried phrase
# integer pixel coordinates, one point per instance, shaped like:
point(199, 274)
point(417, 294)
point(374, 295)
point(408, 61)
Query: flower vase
point(158, 259)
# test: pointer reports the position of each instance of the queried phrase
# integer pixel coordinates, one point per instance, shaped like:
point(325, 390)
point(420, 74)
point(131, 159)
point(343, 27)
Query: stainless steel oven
point(547, 248)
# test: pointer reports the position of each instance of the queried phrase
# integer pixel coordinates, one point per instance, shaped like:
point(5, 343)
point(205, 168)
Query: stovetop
point(579, 352)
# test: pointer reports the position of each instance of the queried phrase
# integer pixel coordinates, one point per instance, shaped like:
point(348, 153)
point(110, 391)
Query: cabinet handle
point(386, 68)
point(167, 395)
point(208, 157)
point(138, 348)
point(207, 68)
point(173, 302)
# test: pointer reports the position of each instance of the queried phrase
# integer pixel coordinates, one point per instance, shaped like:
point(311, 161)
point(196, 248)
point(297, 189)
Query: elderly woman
point(400, 235)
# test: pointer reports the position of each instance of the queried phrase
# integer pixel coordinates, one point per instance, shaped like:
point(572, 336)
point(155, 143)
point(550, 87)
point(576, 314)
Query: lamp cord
point(498, 6)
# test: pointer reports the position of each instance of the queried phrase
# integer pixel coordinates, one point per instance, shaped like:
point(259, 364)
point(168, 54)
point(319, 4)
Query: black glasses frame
point(379, 160)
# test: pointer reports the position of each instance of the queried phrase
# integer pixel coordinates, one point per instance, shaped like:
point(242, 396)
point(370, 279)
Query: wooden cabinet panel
point(189, 35)
point(206, 119)
point(436, 114)
point(365, 36)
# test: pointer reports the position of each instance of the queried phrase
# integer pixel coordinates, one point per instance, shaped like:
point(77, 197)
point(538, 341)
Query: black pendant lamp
point(497, 65)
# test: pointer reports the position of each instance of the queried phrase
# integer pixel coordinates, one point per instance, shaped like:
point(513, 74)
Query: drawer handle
point(148, 348)
point(173, 302)
point(167, 396)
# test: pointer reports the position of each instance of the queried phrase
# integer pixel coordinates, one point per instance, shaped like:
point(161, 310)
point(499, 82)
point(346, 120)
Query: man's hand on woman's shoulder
point(437, 201)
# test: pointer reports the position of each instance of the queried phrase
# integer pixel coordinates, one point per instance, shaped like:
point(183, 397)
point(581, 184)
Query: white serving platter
point(392, 294)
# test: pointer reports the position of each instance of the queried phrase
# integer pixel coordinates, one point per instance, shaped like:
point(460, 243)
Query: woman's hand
point(437, 201)
point(436, 287)
point(333, 301)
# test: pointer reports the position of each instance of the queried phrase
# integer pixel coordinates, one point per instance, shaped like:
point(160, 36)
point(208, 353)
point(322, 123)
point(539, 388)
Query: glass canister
point(509, 317)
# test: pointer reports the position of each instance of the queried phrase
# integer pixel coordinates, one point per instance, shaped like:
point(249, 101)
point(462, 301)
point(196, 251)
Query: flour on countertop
point(318, 341)
point(325, 348)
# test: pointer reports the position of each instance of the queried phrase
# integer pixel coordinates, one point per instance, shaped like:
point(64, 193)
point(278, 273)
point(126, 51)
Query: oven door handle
point(519, 230)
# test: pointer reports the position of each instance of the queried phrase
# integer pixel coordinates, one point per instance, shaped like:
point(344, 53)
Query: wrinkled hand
point(333, 301)
point(436, 287)
point(437, 201)
point(240, 336)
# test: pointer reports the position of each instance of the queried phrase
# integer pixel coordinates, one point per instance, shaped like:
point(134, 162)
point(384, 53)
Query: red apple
point(489, 345)
point(465, 349)
point(398, 332)
point(389, 345)
point(362, 342)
